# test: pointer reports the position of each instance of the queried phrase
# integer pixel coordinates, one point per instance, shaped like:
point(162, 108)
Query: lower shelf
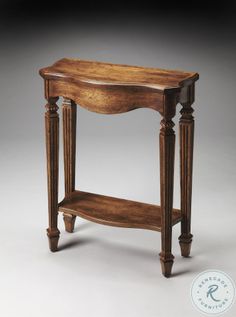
point(115, 211)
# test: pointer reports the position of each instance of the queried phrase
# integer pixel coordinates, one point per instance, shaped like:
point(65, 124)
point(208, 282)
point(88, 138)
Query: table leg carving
point(69, 110)
point(186, 126)
point(52, 149)
point(167, 148)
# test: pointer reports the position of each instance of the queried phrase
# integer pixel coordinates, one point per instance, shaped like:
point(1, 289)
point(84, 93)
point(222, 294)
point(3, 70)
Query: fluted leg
point(69, 140)
point(52, 147)
point(186, 165)
point(167, 149)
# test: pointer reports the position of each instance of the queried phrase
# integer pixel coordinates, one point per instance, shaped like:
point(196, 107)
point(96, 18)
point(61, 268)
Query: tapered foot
point(53, 237)
point(166, 263)
point(185, 242)
point(69, 221)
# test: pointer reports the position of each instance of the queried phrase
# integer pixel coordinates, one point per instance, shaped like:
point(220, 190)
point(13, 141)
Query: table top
point(101, 73)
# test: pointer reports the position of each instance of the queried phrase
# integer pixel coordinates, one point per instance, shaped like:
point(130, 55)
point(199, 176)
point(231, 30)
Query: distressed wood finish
point(77, 70)
point(69, 141)
point(69, 220)
point(115, 211)
point(186, 126)
point(52, 147)
point(109, 88)
point(108, 99)
point(167, 152)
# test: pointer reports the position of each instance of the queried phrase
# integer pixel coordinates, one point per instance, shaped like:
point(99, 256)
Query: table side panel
point(107, 99)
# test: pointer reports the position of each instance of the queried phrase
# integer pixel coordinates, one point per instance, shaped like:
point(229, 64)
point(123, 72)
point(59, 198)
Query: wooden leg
point(167, 149)
point(69, 221)
point(69, 140)
point(186, 165)
point(52, 146)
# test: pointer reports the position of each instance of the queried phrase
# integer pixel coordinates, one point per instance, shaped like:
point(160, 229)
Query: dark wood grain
point(52, 147)
point(115, 211)
point(69, 109)
point(186, 126)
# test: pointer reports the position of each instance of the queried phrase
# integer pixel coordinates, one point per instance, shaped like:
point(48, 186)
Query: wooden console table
point(108, 88)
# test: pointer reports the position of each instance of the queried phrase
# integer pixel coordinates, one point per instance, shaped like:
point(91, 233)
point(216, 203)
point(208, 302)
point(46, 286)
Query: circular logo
point(213, 292)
